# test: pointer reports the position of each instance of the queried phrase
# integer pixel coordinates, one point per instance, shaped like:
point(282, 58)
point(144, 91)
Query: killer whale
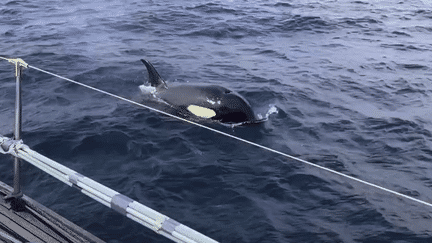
point(202, 101)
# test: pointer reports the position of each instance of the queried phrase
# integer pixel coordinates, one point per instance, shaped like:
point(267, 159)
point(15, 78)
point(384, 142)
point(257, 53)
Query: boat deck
point(33, 222)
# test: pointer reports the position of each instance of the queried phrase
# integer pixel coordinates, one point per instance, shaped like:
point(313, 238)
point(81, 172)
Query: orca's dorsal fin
point(154, 77)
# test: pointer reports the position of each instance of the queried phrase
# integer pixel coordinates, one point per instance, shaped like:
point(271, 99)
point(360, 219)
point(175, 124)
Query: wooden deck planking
point(36, 223)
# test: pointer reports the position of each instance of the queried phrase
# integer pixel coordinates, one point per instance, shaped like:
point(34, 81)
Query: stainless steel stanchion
point(17, 193)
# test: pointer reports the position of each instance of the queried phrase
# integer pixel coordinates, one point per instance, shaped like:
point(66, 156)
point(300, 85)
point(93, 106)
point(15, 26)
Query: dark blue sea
point(351, 82)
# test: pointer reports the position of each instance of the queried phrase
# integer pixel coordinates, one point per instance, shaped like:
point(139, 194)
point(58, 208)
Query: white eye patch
point(201, 111)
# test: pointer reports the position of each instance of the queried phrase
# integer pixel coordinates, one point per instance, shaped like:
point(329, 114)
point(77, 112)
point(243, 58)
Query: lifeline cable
point(237, 138)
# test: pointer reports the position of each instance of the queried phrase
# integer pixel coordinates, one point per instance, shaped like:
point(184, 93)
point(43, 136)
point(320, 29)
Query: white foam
point(147, 89)
point(211, 101)
point(272, 110)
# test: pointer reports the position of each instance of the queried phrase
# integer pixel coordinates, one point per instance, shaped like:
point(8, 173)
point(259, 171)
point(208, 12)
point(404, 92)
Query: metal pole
point(18, 121)
point(17, 193)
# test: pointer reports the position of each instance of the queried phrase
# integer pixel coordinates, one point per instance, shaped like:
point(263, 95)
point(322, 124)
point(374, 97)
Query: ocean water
point(351, 81)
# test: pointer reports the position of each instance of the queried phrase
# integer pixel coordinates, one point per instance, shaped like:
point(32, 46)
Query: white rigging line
point(240, 139)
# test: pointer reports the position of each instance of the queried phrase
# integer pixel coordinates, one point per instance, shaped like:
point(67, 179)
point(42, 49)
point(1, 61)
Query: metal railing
point(124, 205)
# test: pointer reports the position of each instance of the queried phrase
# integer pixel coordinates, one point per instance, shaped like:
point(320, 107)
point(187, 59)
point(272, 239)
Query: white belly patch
point(201, 111)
